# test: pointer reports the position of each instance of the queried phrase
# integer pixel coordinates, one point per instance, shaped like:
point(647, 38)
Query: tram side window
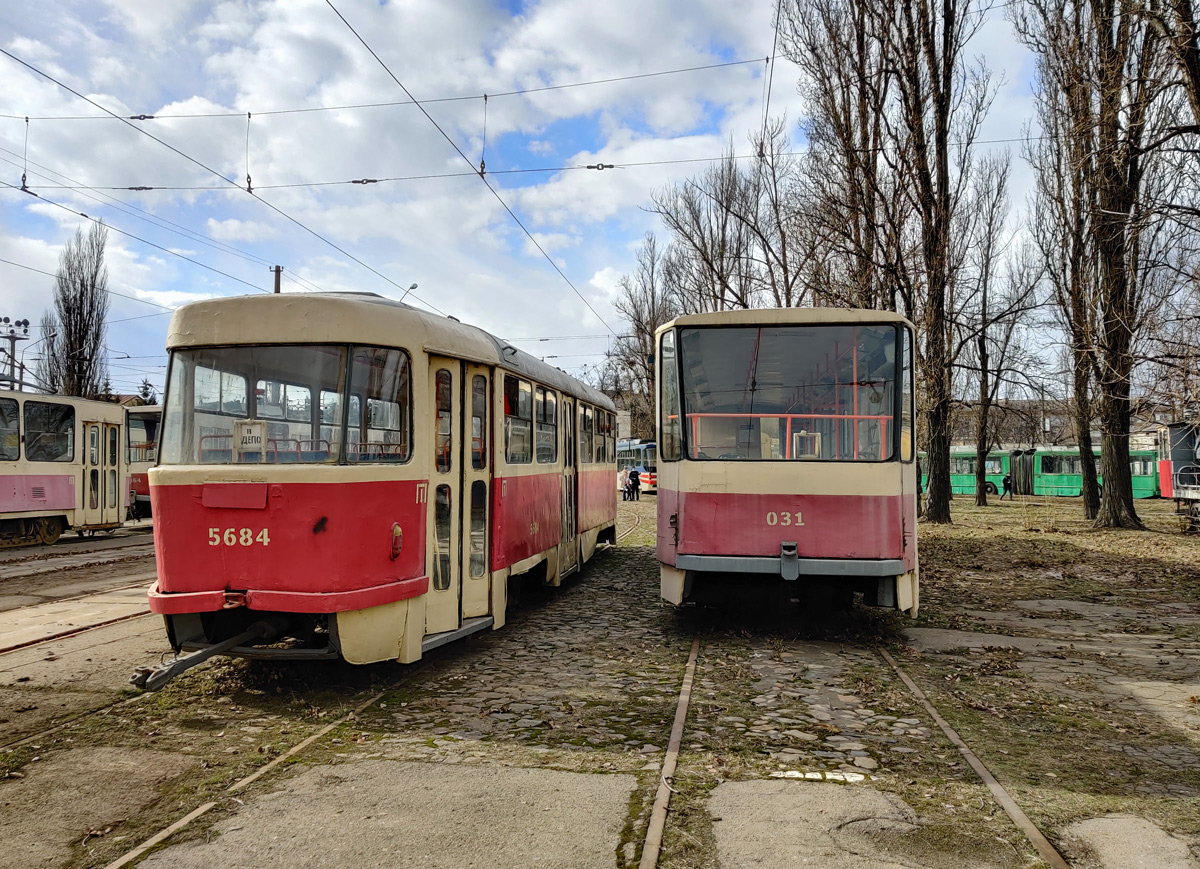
point(49, 432)
point(518, 420)
point(906, 399)
point(670, 427)
point(993, 465)
point(602, 436)
point(1141, 467)
point(479, 429)
point(478, 561)
point(442, 438)
point(545, 414)
point(441, 523)
point(381, 376)
point(10, 431)
point(586, 436)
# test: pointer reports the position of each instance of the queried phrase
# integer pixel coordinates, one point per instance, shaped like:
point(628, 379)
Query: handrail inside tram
point(793, 438)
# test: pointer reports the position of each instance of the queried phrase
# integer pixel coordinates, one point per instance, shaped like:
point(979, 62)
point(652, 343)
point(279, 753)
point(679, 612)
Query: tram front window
point(287, 404)
point(783, 393)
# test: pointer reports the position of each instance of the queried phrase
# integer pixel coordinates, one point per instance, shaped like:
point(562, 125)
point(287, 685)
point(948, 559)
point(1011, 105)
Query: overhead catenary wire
point(155, 220)
point(474, 172)
point(138, 238)
point(454, 145)
point(212, 171)
point(394, 103)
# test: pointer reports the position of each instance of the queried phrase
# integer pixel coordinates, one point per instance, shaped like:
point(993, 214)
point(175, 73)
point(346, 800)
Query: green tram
point(1043, 471)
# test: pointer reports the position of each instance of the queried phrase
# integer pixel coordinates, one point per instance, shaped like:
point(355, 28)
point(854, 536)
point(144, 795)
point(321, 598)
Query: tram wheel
point(990, 488)
point(50, 530)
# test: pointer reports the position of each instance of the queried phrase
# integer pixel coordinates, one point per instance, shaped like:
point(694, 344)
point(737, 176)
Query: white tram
point(785, 452)
point(341, 474)
point(61, 467)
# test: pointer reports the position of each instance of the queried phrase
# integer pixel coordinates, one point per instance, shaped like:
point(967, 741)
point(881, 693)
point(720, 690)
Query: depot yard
point(1067, 659)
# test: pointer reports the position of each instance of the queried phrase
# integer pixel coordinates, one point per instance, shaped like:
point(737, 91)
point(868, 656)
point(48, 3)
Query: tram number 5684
point(774, 518)
point(238, 537)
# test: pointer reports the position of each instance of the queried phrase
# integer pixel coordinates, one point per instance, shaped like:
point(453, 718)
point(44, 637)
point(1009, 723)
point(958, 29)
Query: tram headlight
point(397, 540)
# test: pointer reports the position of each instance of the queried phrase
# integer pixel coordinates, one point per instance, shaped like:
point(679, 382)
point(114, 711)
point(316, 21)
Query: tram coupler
point(155, 679)
point(789, 560)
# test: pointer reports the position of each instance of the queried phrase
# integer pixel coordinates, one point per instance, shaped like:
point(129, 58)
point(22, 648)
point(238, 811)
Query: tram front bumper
point(841, 567)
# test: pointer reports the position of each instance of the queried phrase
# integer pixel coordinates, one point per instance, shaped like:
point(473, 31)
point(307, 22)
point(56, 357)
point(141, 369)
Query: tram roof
point(785, 316)
point(357, 318)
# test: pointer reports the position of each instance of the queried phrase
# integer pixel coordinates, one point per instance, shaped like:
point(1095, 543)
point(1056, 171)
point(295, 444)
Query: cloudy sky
point(324, 113)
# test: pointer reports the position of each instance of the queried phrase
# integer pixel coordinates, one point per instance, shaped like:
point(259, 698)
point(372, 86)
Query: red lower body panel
point(822, 526)
point(296, 547)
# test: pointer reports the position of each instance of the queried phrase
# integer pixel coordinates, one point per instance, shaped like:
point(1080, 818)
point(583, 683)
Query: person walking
point(635, 485)
point(1007, 483)
point(623, 481)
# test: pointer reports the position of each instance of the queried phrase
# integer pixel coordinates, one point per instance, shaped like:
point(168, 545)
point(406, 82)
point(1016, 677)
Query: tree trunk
point(1116, 501)
point(1083, 427)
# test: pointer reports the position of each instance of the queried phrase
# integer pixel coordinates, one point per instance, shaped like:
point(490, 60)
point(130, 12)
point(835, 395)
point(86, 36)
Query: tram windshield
point(776, 393)
point(141, 438)
point(287, 404)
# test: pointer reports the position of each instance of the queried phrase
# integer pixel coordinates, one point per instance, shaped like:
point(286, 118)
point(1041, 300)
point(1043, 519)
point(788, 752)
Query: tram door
point(568, 550)
point(443, 603)
point(102, 473)
point(476, 497)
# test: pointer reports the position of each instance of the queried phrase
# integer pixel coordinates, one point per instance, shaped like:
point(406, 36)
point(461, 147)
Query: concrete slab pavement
point(429, 815)
point(783, 824)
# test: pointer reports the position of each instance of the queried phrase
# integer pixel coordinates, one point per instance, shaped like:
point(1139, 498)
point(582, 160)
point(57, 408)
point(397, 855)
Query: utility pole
point(278, 272)
point(14, 332)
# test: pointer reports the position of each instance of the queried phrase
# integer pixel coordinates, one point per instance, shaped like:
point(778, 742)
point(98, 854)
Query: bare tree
point(1109, 69)
point(942, 100)
point(1063, 204)
point(644, 304)
point(72, 362)
point(847, 185)
point(709, 265)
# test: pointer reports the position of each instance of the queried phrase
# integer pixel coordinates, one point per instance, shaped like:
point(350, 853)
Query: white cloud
point(448, 234)
point(240, 230)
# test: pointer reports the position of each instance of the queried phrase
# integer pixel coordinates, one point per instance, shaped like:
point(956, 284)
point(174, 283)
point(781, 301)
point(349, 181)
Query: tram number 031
point(774, 519)
point(237, 537)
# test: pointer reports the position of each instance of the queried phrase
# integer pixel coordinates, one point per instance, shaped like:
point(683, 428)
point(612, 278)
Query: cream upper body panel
point(357, 318)
point(785, 317)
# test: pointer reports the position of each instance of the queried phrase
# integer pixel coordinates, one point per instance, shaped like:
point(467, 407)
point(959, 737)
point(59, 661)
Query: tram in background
point(141, 452)
point(786, 456)
point(640, 455)
point(61, 467)
point(1179, 469)
point(1052, 471)
point(340, 474)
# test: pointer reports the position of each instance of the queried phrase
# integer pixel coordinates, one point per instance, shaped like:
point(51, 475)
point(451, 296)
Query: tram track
point(68, 546)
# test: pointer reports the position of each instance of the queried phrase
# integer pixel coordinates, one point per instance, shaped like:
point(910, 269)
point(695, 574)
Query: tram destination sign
point(250, 436)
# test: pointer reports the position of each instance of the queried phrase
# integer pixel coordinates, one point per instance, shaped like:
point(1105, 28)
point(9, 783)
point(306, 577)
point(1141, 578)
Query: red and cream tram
point(341, 474)
point(61, 467)
point(785, 450)
point(141, 448)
